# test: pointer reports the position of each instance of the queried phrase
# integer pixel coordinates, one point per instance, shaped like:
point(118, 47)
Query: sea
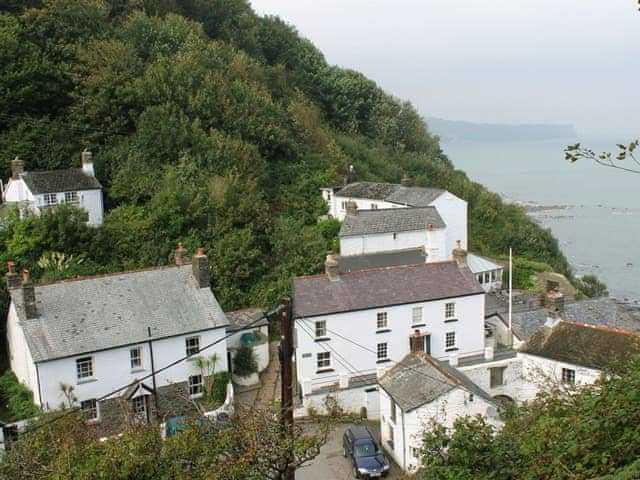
point(593, 211)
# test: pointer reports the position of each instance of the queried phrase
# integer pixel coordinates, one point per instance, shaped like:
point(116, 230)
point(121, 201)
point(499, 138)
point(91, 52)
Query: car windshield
point(366, 449)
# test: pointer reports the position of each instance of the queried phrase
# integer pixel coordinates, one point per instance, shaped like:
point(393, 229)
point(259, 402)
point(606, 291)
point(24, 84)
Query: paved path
point(268, 391)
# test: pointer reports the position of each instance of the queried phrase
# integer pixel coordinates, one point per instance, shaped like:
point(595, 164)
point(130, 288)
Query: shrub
point(244, 363)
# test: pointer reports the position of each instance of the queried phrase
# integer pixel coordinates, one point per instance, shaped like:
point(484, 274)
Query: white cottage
point(420, 390)
point(36, 191)
point(348, 326)
point(98, 334)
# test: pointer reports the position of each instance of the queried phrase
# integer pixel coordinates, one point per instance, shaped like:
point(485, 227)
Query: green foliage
point(219, 390)
point(17, 399)
point(590, 286)
point(523, 272)
point(244, 361)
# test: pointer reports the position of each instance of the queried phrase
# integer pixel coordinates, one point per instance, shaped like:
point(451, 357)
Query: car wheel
point(355, 472)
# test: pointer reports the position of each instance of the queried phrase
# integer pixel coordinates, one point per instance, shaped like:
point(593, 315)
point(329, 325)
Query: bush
point(17, 398)
point(219, 389)
point(244, 363)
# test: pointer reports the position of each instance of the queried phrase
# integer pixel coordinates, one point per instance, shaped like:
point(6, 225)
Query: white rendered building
point(37, 191)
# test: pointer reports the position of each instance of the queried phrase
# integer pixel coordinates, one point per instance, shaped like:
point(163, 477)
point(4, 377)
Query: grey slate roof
point(420, 379)
point(392, 258)
point(604, 311)
point(364, 289)
point(391, 192)
point(241, 319)
point(72, 179)
point(86, 315)
point(581, 344)
point(389, 220)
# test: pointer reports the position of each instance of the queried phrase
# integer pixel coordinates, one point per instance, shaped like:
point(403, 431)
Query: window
point(480, 278)
point(50, 199)
point(136, 358)
point(416, 315)
point(496, 375)
point(343, 205)
point(374, 206)
point(449, 310)
point(383, 351)
point(71, 198)
point(392, 415)
point(321, 328)
point(139, 407)
point(471, 397)
point(381, 323)
point(195, 386)
point(90, 409)
point(450, 340)
point(415, 452)
point(328, 196)
point(193, 345)
point(323, 360)
point(568, 376)
point(84, 368)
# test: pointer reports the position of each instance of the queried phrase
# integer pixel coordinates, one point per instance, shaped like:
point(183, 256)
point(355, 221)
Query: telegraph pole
point(286, 380)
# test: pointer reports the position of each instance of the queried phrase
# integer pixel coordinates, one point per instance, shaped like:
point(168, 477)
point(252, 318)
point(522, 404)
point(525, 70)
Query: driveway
point(330, 464)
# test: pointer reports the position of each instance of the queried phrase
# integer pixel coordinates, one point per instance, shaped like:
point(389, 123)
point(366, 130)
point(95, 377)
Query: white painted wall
point(261, 350)
point(349, 400)
point(338, 210)
point(513, 383)
point(112, 368)
point(409, 427)
point(17, 191)
point(20, 358)
point(434, 243)
point(453, 211)
point(353, 337)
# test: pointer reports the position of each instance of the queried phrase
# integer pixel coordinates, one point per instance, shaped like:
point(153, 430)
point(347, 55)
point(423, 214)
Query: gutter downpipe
point(404, 445)
point(39, 386)
point(153, 370)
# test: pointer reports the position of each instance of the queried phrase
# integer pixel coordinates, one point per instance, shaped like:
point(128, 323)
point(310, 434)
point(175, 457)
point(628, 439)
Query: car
point(367, 460)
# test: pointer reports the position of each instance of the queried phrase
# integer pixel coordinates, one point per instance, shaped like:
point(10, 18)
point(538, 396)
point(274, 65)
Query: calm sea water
point(599, 226)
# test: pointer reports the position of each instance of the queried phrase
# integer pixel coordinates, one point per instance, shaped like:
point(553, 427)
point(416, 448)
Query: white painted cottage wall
point(349, 400)
point(435, 242)
point(20, 358)
point(513, 385)
point(453, 211)
point(17, 191)
point(261, 350)
point(112, 368)
point(338, 211)
point(354, 337)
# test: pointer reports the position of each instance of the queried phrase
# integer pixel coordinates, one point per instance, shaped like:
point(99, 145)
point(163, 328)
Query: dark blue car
point(367, 459)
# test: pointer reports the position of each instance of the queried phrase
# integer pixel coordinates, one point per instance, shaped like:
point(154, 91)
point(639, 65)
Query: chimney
point(182, 255)
point(406, 181)
point(331, 267)
point(17, 168)
point(201, 269)
point(460, 255)
point(13, 279)
point(352, 208)
point(87, 162)
point(555, 307)
point(29, 295)
point(415, 341)
point(351, 176)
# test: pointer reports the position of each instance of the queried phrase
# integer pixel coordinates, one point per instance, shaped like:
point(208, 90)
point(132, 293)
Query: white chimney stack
point(87, 162)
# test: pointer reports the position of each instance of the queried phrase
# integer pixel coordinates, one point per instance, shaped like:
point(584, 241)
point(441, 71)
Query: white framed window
point(450, 340)
point(50, 199)
point(343, 205)
point(383, 351)
point(416, 315)
point(321, 329)
point(139, 408)
point(415, 452)
point(192, 345)
point(71, 198)
point(84, 368)
point(374, 206)
point(449, 310)
point(195, 386)
point(381, 321)
point(323, 360)
point(568, 376)
point(90, 409)
point(135, 356)
point(480, 278)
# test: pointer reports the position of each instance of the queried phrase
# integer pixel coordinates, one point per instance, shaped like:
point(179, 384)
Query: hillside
point(212, 126)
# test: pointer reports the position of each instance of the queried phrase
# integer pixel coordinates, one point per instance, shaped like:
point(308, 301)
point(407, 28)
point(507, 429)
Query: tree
point(573, 153)
point(244, 362)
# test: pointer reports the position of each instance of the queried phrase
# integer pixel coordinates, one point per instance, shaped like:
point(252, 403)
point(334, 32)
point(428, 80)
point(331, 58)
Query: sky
point(493, 61)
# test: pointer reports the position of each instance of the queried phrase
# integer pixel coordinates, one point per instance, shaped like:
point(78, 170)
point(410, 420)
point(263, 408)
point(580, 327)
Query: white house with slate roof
point(36, 191)
point(375, 196)
point(348, 326)
point(99, 334)
point(418, 390)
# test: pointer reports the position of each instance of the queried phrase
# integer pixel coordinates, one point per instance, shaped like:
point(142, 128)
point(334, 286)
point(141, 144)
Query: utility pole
point(286, 380)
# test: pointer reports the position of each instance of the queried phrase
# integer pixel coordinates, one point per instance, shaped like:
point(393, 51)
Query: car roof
point(360, 433)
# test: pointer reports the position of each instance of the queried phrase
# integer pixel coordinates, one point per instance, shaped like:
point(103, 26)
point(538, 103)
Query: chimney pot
point(201, 269)
point(87, 162)
point(17, 168)
point(13, 279)
point(331, 267)
point(352, 208)
point(429, 226)
point(181, 255)
point(406, 181)
point(460, 255)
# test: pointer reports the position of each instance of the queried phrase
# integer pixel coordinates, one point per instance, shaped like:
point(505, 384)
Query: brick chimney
point(406, 181)
point(182, 255)
point(331, 267)
point(13, 279)
point(416, 341)
point(87, 162)
point(555, 307)
point(201, 269)
point(29, 295)
point(460, 255)
point(352, 208)
point(17, 167)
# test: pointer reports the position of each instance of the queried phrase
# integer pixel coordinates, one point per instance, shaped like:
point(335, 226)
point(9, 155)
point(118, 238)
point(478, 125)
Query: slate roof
point(98, 313)
point(420, 379)
point(241, 319)
point(391, 192)
point(379, 287)
point(581, 344)
point(390, 220)
point(392, 258)
point(603, 311)
point(73, 179)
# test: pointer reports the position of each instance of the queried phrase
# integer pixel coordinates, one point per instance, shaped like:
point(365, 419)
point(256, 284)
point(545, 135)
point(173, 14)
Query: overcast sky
point(509, 61)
